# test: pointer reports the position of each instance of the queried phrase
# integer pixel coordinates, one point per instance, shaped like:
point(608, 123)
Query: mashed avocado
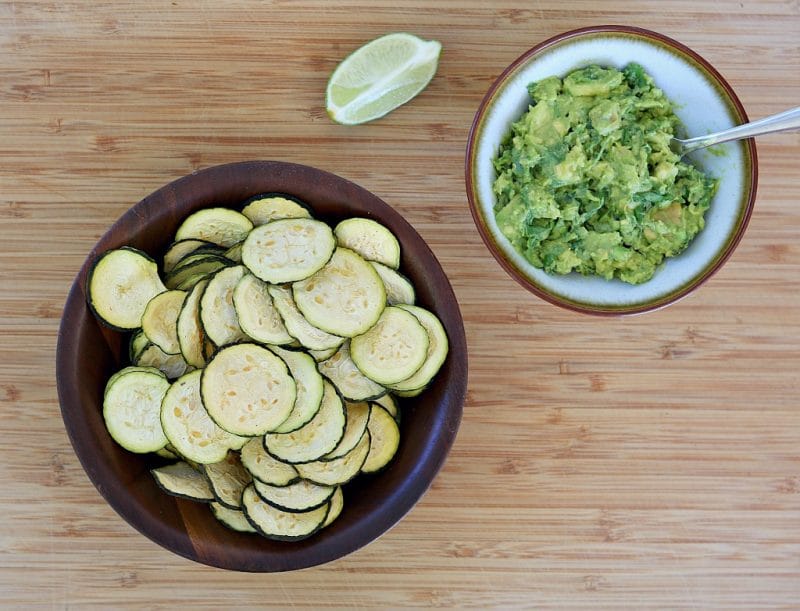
point(586, 180)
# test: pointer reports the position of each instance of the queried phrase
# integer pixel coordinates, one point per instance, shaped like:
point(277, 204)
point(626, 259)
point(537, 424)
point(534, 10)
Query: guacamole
point(586, 181)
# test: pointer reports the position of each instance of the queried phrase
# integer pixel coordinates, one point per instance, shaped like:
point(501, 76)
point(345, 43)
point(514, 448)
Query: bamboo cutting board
point(651, 461)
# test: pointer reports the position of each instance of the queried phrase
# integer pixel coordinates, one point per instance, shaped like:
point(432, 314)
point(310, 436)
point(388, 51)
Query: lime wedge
point(380, 76)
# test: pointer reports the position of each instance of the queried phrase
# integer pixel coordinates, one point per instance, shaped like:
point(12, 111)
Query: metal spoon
point(784, 121)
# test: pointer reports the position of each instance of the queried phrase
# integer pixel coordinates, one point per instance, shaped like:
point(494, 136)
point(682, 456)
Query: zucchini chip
point(247, 390)
point(347, 378)
point(388, 403)
point(316, 438)
point(357, 416)
point(337, 504)
point(183, 481)
point(266, 468)
point(309, 388)
point(171, 365)
point(221, 226)
point(137, 343)
point(256, 312)
point(232, 518)
point(188, 427)
point(186, 276)
point(262, 209)
point(191, 336)
point(436, 355)
point(228, 479)
point(393, 349)
point(296, 324)
point(300, 496)
point(160, 320)
point(282, 525)
point(178, 251)
point(288, 249)
point(132, 409)
point(346, 297)
point(121, 283)
point(384, 437)
point(370, 239)
point(398, 288)
point(217, 313)
point(340, 470)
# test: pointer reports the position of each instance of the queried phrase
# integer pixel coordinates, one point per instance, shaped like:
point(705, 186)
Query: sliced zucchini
point(183, 481)
point(321, 355)
point(262, 209)
point(340, 470)
point(247, 390)
point(160, 320)
point(398, 288)
point(266, 468)
point(346, 297)
point(300, 496)
point(181, 249)
point(384, 439)
point(234, 253)
point(288, 249)
point(188, 427)
point(347, 378)
point(217, 313)
point(436, 354)
point(256, 313)
point(298, 327)
point(388, 403)
point(232, 518)
point(370, 239)
point(228, 479)
point(393, 349)
point(274, 523)
point(316, 438)
point(129, 369)
point(185, 277)
point(167, 453)
point(357, 416)
point(309, 388)
point(171, 365)
point(121, 283)
point(407, 394)
point(337, 504)
point(132, 408)
point(191, 336)
point(221, 226)
point(136, 344)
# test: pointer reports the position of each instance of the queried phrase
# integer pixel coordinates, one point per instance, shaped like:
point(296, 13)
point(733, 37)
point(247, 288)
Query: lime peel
point(380, 76)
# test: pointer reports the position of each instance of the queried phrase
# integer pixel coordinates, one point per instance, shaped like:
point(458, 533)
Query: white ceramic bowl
point(703, 101)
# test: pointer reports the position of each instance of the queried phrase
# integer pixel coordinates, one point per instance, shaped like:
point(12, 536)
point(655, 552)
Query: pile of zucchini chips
point(266, 358)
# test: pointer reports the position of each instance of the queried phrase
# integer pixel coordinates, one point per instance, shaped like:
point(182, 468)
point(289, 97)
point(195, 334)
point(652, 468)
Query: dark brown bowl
point(88, 353)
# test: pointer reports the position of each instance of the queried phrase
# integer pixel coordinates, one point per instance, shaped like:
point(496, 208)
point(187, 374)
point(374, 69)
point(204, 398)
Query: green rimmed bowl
point(704, 102)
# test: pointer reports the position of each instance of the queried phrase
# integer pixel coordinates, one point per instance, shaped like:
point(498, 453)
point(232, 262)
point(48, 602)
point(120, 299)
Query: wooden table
point(651, 461)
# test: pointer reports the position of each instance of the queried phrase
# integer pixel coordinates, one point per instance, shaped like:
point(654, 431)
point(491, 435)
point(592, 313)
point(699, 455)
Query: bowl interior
point(88, 353)
point(704, 103)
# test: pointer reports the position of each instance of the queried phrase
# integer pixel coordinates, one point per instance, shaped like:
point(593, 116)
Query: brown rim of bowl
point(689, 286)
point(182, 526)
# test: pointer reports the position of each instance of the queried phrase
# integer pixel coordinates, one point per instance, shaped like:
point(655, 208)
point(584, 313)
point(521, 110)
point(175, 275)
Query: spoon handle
point(783, 121)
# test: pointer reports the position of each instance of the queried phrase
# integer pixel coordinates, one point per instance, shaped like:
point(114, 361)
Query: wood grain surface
point(651, 461)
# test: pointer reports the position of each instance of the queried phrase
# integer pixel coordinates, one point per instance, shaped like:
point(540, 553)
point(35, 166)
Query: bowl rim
point(373, 523)
point(599, 309)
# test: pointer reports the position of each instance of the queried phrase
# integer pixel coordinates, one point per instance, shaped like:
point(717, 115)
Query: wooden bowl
point(704, 102)
point(88, 353)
